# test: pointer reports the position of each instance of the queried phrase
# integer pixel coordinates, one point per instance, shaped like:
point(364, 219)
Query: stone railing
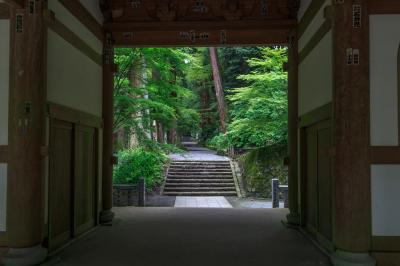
point(277, 190)
point(130, 195)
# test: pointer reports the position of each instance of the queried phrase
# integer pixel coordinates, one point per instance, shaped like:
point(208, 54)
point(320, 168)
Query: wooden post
point(25, 195)
point(106, 215)
point(293, 217)
point(351, 171)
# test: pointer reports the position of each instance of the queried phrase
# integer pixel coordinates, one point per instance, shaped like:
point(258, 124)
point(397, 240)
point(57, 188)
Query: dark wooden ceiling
point(199, 22)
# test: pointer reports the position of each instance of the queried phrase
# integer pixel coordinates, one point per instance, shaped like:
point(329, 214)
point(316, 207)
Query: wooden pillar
point(351, 169)
point(106, 215)
point(293, 181)
point(25, 204)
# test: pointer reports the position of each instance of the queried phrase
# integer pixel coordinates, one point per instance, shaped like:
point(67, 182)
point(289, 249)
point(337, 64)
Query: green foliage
point(260, 166)
point(151, 86)
point(136, 163)
point(259, 110)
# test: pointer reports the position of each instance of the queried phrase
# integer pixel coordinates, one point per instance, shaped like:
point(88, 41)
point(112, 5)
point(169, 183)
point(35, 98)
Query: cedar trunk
point(218, 88)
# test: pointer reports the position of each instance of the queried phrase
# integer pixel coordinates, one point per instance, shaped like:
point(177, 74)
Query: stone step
point(196, 184)
point(206, 189)
point(200, 163)
point(201, 193)
point(198, 180)
point(199, 173)
point(182, 168)
point(193, 169)
point(198, 177)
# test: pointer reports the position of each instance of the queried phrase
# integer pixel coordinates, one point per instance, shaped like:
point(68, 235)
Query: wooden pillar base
point(25, 256)
point(342, 258)
point(293, 219)
point(106, 217)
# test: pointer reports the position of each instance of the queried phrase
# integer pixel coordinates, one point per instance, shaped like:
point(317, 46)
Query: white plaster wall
point(304, 4)
point(75, 25)
point(315, 24)
point(4, 89)
point(315, 77)
point(385, 198)
point(94, 8)
point(73, 79)
point(384, 45)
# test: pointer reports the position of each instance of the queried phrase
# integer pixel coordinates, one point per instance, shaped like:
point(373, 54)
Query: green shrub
point(219, 143)
point(136, 163)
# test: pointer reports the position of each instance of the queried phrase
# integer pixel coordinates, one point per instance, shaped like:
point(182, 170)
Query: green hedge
point(136, 163)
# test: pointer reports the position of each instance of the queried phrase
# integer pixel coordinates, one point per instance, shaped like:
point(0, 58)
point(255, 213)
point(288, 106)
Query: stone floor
point(193, 237)
point(201, 202)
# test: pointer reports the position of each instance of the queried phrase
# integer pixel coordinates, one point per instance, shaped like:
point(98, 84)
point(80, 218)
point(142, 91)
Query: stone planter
point(125, 195)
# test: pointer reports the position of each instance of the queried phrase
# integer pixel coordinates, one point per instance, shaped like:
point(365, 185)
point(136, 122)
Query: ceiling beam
point(84, 16)
point(201, 38)
point(201, 25)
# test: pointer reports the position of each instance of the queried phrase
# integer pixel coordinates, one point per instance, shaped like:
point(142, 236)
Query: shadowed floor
point(193, 237)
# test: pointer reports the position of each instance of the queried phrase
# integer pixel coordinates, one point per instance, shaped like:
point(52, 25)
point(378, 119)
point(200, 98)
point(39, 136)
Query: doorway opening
point(202, 126)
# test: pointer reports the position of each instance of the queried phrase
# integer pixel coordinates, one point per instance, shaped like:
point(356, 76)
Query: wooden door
point(85, 179)
point(312, 179)
point(60, 183)
point(319, 180)
point(324, 182)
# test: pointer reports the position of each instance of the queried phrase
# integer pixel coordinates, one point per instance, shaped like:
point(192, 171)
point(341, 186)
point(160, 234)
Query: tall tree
point(219, 92)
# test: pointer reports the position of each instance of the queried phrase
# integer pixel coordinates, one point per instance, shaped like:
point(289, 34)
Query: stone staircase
point(200, 178)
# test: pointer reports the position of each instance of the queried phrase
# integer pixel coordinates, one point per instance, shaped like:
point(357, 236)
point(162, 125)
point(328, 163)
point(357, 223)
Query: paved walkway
point(193, 237)
point(197, 154)
point(202, 202)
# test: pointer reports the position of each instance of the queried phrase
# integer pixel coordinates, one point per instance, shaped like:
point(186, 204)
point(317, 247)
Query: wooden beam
point(74, 116)
point(201, 25)
point(315, 40)
point(317, 115)
point(85, 17)
point(384, 7)
point(209, 38)
point(26, 130)
point(385, 243)
point(385, 155)
point(351, 138)
point(106, 215)
point(4, 11)
point(308, 17)
point(398, 94)
point(15, 3)
point(293, 107)
point(3, 240)
point(3, 153)
point(68, 35)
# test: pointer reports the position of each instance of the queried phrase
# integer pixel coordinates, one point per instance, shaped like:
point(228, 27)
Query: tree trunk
point(218, 88)
point(160, 132)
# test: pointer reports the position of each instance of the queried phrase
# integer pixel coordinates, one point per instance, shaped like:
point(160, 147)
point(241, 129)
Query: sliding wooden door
point(318, 180)
point(85, 179)
point(72, 181)
point(60, 183)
